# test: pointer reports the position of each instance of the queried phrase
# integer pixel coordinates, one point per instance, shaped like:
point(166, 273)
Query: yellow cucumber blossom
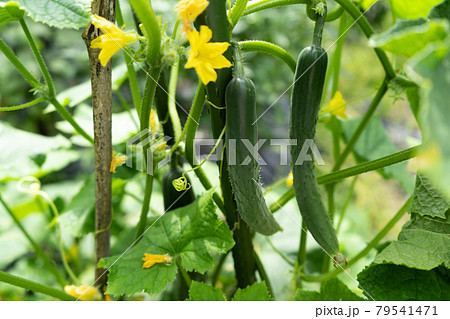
point(337, 106)
point(85, 293)
point(189, 10)
point(290, 180)
point(117, 160)
point(112, 40)
point(205, 56)
point(150, 260)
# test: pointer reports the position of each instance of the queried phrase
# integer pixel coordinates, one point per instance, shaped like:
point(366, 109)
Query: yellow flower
point(112, 40)
point(290, 180)
point(161, 146)
point(337, 106)
point(204, 56)
point(85, 293)
point(117, 160)
point(189, 10)
point(150, 260)
point(153, 121)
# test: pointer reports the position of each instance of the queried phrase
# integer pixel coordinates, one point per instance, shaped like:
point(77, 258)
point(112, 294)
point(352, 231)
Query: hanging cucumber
point(174, 199)
point(240, 117)
point(306, 96)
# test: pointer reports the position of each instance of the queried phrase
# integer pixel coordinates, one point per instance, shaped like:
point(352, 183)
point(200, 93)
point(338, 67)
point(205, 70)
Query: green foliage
point(420, 253)
point(255, 292)
point(427, 201)
point(375, 143)
point(10, 12)
point(408, 37)
point(441, 11)
point(202, 292)
point(78, 218)
point(412, 9)
point(63, 14)
point(331, 290)
point(16, 159)
point(430, 68)
point(394, 282)
point(189, 233)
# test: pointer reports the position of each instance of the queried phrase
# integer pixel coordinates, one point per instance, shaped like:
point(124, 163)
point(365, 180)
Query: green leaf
point(430, 68)
point(203, 292)
point(190, 233)
point(19, 147)
point(331, 290)
point(413, 9)
point(78, 218)
point(408, 37)
point(255, 292)
point(394, 282)
point(63, 14)
point(375, 143)
point(441, 11)
point(413, 95)
point(417, 248)
point(10, 11)
point(427, 201)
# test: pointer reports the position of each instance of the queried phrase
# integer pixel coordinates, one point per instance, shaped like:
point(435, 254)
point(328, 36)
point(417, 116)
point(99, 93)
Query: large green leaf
point(190, 233)
point(10, 12)
point(78, 218)
point(394, 282)
point(413, 9)
point(375, 143)
point(427, 201)
point(441, 11)
point(63, 14)
point(407, 37)
point(203, 292)
point(255, 292)
point(24, 153)
point(331, 290)
point(431, 69)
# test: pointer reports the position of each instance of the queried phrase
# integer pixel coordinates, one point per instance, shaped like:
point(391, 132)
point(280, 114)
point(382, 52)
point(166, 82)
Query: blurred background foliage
point(66, 169)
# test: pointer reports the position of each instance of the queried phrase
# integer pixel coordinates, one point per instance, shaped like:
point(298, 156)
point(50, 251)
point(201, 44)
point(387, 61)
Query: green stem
point(352, 171)
point(367, 29)
point(269, 48)
point(172, 102)
point(162, 108)
point(184, 273)
point(193, 120)
point(267, 4)
point(21, 106)
point(301, 256)
point(132, 77)
point(149, 95)
point(320, 24)
point(68, 117)
point(144, 11)
point(19, 65)
point(372, 244)
point(34, 286)
point(47, 261)
point(346, 203)
point(275, 249)
point(218, 269)
point(237, 11)
point(140, 228)
point(362, 125)
point(39, 59)
point(332, 15)
point(262, 272)
point(338, 53)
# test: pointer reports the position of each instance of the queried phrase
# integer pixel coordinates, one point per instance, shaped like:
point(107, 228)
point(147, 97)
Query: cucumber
point(306, 96)
point(240, 116)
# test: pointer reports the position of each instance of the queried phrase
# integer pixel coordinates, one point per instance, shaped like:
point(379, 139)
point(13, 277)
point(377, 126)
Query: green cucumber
point(306, 96)
point(240, 117)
